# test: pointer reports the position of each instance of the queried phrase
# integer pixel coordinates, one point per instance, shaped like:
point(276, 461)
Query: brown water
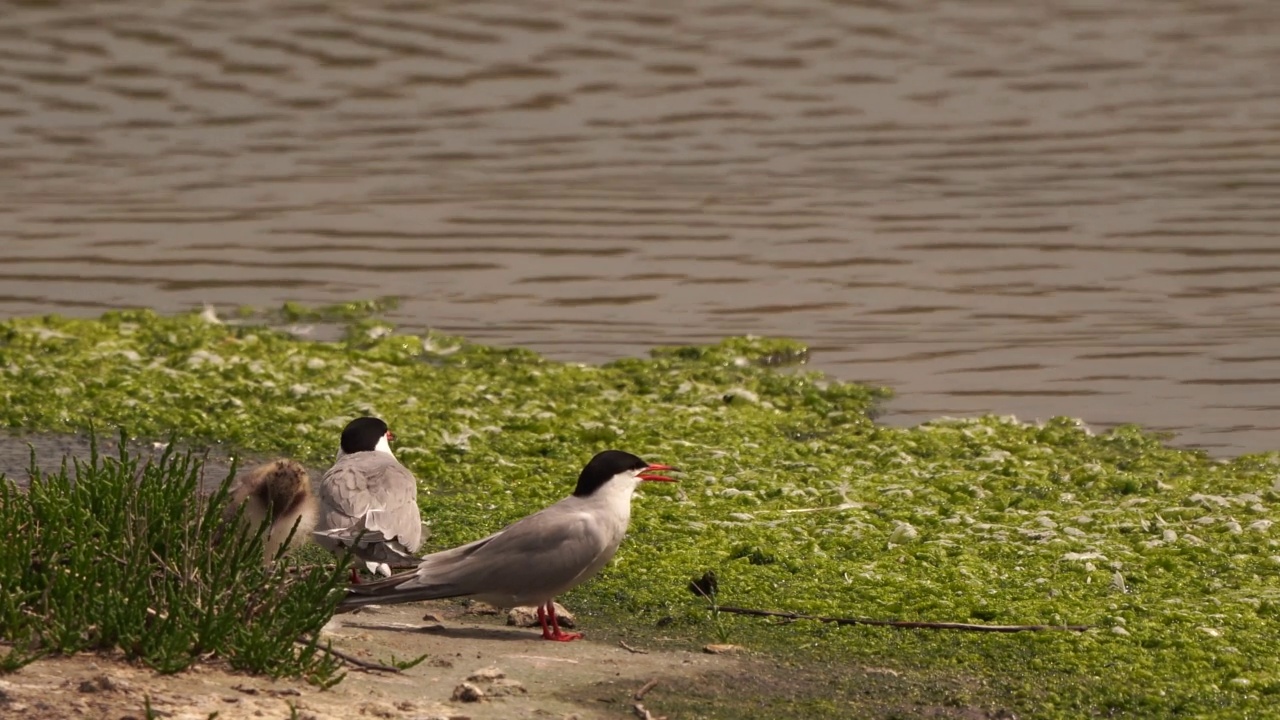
point(1031, 208)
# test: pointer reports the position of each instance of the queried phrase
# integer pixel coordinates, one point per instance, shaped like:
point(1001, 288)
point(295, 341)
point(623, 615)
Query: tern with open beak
point(369, 501)
point(536, 558)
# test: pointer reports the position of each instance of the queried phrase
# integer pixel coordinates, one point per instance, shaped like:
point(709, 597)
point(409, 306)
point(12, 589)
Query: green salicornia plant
point(122, 553)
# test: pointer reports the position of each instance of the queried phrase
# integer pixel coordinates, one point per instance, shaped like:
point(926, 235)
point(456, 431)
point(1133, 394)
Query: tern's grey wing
point(375, 487)
point(543, 554)
point(369, 541)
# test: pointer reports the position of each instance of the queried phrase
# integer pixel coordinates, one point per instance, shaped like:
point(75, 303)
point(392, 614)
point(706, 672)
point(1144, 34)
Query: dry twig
point(359, 664)
point(644, 690)
point(912, 624)
point(643, 713)
point(623, 644)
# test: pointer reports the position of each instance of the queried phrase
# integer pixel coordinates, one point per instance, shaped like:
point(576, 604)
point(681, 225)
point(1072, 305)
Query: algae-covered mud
point(791, 493)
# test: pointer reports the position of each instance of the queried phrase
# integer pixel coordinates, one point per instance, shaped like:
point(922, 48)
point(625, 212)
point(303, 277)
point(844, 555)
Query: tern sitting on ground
point(369, 501)
point(536, 558)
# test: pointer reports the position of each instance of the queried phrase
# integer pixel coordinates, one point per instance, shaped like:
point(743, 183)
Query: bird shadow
point(456, 633)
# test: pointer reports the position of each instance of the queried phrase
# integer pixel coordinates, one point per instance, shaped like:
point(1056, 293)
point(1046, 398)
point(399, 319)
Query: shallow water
point(1029, 208)
point(52, 449)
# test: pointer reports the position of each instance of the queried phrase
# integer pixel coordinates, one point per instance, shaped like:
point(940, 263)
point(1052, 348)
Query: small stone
point(488, 674)
point(523, 617)
point(102, 683)
point(467, 692)
point(1119, 630)
point(433, 617)
point(479, 608)
point(377, 709)
point(284, 691)
point(506, 686)
point(528, 616)
point(721, 649)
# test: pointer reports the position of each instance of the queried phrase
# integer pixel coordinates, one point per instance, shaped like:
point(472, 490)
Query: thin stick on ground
point(643, 713)
point(910, 624)
point(359, 664)
point(623, 644)
point(644, 690)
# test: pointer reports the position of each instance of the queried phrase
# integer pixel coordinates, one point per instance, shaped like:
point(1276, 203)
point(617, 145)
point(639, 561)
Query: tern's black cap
point(603, 467)
point(362, 435)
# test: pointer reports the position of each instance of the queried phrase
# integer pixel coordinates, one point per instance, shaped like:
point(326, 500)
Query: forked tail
point(398, 588)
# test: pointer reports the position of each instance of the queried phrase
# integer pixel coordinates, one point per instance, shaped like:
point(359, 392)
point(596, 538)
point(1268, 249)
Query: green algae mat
point(790, 493)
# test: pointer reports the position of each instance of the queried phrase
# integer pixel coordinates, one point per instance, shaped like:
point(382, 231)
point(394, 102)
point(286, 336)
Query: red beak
point(646, 475)
point(391, 436)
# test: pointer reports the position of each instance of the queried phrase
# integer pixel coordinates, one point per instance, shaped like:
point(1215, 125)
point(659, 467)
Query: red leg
point(542, 618)
point(559, 635)
point(355, 576)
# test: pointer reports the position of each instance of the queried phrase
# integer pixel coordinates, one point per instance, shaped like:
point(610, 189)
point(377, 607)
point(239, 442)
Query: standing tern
point(369, 501)
point(536, 558)
point(278, 492)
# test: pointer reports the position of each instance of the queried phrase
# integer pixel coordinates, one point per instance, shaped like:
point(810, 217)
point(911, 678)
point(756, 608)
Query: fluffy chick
point(278, 492)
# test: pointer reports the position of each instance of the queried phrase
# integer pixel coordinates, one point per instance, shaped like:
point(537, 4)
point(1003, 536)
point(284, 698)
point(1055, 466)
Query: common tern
point(369, 501)
point(278, 492)
point(536, 558)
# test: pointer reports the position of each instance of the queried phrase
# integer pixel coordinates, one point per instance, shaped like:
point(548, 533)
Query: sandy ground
point(519, 675)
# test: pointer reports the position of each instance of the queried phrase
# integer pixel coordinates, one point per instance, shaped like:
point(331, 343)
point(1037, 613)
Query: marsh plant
point(122, 553)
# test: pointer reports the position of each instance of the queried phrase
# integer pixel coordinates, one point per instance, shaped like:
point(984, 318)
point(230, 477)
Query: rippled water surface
point(1031, 208)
